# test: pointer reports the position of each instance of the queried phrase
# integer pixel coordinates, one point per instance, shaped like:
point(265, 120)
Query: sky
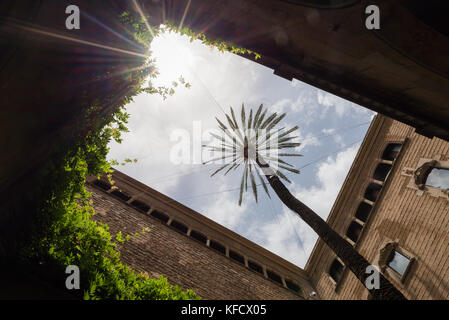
point(330, 132)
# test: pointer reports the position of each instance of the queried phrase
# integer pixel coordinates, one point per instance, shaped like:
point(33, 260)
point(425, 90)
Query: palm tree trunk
point(350, 257)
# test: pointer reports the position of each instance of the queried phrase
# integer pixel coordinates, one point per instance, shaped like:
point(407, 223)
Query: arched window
point(363, 211)
point(198, 236)
point(354, 231)
point(382, 171)
point(392, 151)
point(372, 192)
point(179, 226)
point(336, 270)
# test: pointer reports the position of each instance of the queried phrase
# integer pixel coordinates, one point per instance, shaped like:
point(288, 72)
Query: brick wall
point(419, 223)
point(183, 260)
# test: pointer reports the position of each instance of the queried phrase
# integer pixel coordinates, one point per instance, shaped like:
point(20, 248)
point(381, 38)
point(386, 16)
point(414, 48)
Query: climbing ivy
point(220, 45)
point(63, 232)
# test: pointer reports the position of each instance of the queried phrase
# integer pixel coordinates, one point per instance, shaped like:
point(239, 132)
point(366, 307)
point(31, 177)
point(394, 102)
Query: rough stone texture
point(183, 260)
point(419, 222)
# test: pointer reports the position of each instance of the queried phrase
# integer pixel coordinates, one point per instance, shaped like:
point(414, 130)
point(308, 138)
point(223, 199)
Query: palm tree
point(258, 148)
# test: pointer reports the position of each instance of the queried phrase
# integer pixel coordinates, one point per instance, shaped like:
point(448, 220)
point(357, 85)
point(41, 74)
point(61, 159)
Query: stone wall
point(416, 221)
point(182, 259)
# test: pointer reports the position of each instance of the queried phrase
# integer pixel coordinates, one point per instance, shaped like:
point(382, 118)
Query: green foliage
point(63, 232)
point(220, 45)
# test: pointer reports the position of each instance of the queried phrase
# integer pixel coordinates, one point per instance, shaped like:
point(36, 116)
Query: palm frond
point(213, 174)
point(244, 141)
point(256, 118)
point(263, 183)
point(253, 181)
point(243, 115)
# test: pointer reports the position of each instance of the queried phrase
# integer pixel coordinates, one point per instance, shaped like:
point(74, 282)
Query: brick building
point(393, 208)
point(395, 211)
point(189, 249)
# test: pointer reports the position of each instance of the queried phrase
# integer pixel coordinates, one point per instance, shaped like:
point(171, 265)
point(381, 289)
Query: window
point(336, 270)
point(254, 266)
point(179, 226)
point(293, 286)
point(372, 192)
point(198, 236)
point(392, 151)
point(438, 178)
point(430, 176)
point(236, 257)
point(274, 276)
point(160, 216)
point(102, 184)
point(217, 246)
point(121, 195)
point(363, 211)
point(139, 205)
point(354, 231)
point(395, 261)
point(382, 171)
point(399, 263)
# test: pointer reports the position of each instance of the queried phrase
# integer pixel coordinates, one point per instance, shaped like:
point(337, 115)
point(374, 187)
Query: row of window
point(363, 211)
point(198, 236)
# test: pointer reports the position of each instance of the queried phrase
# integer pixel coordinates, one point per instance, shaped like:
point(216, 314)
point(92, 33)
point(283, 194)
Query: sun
point(174, 57)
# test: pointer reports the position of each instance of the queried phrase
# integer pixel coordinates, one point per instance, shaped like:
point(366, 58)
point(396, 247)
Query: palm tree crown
point(253, 141)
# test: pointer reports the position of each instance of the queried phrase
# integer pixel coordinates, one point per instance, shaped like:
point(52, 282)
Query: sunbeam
point(143, 17)
point(89, 43)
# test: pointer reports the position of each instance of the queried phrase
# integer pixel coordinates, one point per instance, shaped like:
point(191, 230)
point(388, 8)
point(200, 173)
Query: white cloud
point(219, 81)
point(330, 175)
point(342, 107)
point(307, 140)
point(224, 208)
point(287, 236)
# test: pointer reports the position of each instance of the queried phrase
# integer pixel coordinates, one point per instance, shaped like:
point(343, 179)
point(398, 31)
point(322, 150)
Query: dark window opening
point(102, 184)
point(198, 236)
point(336, 270)
point(354, 231)
point(217, 246)
point(372, 192)
point(274, 276)
point(438, 178)
point(382, 171)
point(179, 226)
point(399, 263)
point(139, 205)
point(363, 211)
point(160, 216)
point(392, 151)
point(254, 266)
point(121, 195)
point(293, 286)
point(236, 257)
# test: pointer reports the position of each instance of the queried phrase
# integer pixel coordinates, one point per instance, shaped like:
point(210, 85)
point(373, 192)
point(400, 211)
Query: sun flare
point(173, 57)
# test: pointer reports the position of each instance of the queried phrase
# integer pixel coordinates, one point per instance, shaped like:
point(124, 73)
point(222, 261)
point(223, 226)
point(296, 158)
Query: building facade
point(393, 208)
point(190, 250)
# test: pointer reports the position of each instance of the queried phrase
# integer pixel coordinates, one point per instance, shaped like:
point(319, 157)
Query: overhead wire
point(304, 166)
